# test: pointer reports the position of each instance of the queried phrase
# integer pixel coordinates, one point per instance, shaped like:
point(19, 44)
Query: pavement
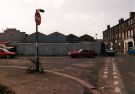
point(49, 82)
point(46, 83)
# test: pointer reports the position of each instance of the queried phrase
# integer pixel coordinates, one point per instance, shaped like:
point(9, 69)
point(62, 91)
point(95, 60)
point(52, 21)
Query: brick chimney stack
point(121, 20)
point(132, 14)
point(108, 26)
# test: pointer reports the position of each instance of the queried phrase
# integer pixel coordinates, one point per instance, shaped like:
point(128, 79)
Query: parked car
point(82, 53)
point(131, 51)
point(110, 52)
point(10, 48)
point(4, 53)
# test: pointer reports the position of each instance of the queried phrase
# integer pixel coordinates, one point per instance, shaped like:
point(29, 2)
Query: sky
point(76, 17)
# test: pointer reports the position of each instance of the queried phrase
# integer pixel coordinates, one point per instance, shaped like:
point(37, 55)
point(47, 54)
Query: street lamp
point(38, 22)
point(96, 36)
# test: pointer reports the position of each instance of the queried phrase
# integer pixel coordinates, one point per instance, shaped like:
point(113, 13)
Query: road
point(126, 66)
point(110, 75)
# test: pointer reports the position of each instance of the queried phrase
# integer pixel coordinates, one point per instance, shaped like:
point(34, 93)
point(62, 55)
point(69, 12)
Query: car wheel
point(74, 56)
point(12, 57)
point(7, 56)
point(92, 56)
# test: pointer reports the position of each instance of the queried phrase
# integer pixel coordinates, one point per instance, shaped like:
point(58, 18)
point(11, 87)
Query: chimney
point(121, 20)
point(132, 14)
point(108, 26)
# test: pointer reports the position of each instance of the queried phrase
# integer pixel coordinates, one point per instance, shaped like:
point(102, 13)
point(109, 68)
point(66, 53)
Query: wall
point(55, 49)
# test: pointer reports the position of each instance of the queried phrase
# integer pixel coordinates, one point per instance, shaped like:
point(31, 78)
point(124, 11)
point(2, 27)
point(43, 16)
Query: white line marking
point(115, 77)
point(116, 83)
point(114, 70)
point(114, 67)
point(105, 76)
point(114, 73)
point(117, 90)
point(105, 72)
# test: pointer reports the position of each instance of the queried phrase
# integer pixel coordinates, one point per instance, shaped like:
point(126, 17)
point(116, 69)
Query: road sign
point(37, 18)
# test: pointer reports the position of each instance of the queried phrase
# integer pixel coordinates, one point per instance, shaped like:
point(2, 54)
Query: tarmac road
point(126, 65)
point(120, 70)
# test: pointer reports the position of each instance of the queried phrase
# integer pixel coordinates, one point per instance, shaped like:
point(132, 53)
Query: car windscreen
point(80, 50)
point(5, 50)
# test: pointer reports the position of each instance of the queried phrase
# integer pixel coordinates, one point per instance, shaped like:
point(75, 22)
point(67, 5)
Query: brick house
point(120, 36)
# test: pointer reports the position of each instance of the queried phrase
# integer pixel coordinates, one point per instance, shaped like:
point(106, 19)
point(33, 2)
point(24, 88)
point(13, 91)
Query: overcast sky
point(78, 17)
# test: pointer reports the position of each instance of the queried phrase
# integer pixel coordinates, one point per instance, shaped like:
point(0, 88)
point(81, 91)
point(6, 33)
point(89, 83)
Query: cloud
point(66, 16)
point(79, 16)
point(57, 3)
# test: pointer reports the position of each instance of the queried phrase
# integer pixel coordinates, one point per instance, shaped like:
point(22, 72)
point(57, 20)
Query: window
point(132, 32)
point(116, 36)
point(131, 21)
point(119, 35)
point(128, 22)
point(128, 33)
point(122, 35)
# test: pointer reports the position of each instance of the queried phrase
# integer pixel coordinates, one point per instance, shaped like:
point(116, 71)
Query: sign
point(37, 18)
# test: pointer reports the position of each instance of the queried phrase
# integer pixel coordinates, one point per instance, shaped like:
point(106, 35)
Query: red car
point(82, 53)
point(4, 53)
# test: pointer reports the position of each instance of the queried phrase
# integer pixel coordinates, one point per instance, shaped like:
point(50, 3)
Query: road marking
point(116, 83)
point(117, 89)
point(114, 67)
point(106, 65)
point(115, 77)
point(114, 73)
point(105, 72)
point(105, 76)
point(114, 70)
point(106, 69)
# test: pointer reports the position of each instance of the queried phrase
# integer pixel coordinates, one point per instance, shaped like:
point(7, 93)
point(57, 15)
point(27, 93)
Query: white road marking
point(114, 70)
point(106, 65)
point(105, 76)
point(114, 67)
point(105, 72)
point(116, 83)
point(115, 77)
point(106, 69)
point(114, 73)
point(117, 89)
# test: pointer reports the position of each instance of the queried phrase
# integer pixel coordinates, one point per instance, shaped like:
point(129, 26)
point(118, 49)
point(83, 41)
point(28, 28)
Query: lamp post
point(96, 37)
point(38, 22)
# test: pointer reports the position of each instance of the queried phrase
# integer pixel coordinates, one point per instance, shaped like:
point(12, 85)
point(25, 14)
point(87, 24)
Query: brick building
point(120, 36)
point(12, 35)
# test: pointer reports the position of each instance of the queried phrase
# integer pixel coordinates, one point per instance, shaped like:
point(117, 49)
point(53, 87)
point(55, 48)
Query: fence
point(55, 49)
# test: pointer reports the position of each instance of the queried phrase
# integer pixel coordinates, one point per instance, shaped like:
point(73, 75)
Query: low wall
point(55, 49)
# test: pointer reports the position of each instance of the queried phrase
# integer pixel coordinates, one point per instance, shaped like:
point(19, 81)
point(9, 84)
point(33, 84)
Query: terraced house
point(120, 36)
